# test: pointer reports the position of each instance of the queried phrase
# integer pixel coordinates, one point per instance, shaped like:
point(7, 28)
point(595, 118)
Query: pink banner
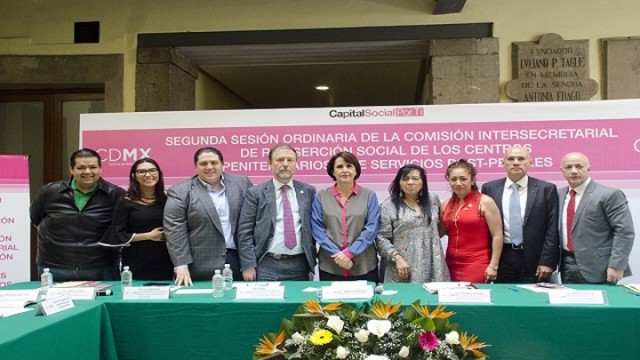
point(611, 144)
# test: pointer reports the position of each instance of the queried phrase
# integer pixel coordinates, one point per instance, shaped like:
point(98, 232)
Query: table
point(523, 325)
point(518, 325)
point(200, 326)
point(81, 333)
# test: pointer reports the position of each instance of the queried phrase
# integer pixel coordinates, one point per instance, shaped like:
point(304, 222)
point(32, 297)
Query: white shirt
point(277, 243)
point(221, 203)
point(506, 199)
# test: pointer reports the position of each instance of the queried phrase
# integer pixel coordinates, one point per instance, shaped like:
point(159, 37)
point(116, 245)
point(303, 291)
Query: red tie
point(571, 211)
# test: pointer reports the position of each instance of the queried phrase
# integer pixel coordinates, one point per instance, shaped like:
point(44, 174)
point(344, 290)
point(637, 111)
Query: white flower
point(297, 338)
point(379, 327)
point(335, 323)
point(341, 353)
point(452, 338)
point(362, 335)
point(404, 352)
point(376, 357)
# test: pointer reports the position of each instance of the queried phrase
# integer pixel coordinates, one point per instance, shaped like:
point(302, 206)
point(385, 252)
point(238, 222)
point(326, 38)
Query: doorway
point(44, 124)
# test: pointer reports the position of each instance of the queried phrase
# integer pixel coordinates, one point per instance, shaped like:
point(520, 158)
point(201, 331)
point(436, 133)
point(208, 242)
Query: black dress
point(147, 259)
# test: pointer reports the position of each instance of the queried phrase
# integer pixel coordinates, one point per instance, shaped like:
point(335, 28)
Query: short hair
point(348, 158)
point(281, 146)
point(207, 149)
point(84, 153)
point(134, 192)
point(464, 164)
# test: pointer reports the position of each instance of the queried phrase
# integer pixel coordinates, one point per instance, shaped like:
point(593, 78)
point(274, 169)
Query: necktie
point(515, 217)
point(571, 212)
point(289, 228)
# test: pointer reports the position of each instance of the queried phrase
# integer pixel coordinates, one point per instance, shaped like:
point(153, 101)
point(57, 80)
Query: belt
point(283, 256)
point(231, 249)
point(568, 253)
point(514, 247)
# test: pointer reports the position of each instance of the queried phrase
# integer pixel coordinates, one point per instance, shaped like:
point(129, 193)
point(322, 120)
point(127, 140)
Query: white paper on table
point(187, 291)
point(146, 293)
point(540, 289)
point(577, 297)
point(356, 291)
point(434, 287)
point(6, 312)
point(268, 292)
point(462, 295)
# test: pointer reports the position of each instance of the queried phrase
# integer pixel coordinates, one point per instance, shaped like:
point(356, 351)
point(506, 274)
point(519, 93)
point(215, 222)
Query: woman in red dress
point(474, 227)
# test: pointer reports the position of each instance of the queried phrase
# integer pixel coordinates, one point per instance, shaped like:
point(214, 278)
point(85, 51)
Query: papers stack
point(13, 301)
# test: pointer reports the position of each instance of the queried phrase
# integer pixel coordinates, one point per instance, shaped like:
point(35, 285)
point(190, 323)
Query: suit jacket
point(258, 218)
point(539, 230)
point(192, 226)
point(602, 231)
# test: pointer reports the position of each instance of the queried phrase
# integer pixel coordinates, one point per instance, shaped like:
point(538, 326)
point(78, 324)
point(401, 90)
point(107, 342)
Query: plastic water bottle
point(217, 282)
point(126, 277)
point(227, 274)
point(46, 281)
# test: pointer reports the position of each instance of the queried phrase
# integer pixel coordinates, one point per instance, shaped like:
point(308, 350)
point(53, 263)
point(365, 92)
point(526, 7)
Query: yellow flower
point(438, 312)
point(321, 337)
point(383, 311)
point(469, 344)
point(267, 347)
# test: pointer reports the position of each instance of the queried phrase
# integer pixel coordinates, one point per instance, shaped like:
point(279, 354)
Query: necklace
point(147, 200)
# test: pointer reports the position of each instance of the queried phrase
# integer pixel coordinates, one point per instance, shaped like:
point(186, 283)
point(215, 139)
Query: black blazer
point(540, 224)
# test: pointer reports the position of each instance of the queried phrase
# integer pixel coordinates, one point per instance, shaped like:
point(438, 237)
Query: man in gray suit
point(273, 248)
point(200, 219)
point(530, 253)
point(596, 227)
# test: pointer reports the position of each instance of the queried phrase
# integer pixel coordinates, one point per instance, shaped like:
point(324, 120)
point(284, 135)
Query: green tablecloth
point(523, 325)
point(518, 325)
point(82, 333)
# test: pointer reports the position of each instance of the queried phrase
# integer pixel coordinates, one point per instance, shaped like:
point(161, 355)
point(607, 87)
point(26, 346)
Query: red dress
point(469, 248)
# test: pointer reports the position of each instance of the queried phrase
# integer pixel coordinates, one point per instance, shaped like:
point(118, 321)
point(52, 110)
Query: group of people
point(518, 229)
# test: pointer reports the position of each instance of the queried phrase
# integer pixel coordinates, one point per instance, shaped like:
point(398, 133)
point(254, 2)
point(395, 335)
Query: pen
point(513, 289)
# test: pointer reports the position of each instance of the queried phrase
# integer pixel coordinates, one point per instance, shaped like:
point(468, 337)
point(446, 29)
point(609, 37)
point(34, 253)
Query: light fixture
point(322, 88)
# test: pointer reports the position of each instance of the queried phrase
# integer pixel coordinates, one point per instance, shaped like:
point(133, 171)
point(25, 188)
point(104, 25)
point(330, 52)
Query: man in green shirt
point(71, 217)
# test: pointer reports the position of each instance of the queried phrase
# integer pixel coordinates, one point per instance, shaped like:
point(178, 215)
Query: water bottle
point(46, 281)
point(227, 274)
point(217, 282)
point(126, 277)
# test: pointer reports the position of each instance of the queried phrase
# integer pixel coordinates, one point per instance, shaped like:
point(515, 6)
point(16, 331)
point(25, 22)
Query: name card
point(457, 295)
point(342, 292)
point(577, 297)
point(74, 293)
point(24, 297)
point(54, 305)
point(265, 291)
point(145, 293)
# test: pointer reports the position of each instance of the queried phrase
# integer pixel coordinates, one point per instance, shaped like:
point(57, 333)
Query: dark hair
point(85, 153)
point(282, 146)
point(423, 198)
point(207, 149)
point(464, 164)
point(133, 192)
point(348, 158)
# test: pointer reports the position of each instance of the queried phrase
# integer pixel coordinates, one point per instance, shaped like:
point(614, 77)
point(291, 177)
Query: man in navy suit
point(596, 227)
point(530, 253)
point(271, 247)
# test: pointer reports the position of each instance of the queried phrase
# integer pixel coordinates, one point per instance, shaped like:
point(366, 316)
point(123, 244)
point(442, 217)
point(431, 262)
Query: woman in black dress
point(137, 224)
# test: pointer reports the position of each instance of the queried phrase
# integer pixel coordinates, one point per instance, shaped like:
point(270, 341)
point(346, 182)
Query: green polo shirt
point(79, 198)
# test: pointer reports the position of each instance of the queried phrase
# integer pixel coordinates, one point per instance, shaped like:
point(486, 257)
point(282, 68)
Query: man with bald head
point(529, 209)
point(595, 226)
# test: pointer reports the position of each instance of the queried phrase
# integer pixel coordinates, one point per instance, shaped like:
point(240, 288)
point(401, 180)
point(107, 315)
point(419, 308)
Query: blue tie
point(515, 220)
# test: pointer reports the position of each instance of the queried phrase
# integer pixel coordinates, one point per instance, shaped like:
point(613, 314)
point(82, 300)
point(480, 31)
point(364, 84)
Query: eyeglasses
point(143, 172)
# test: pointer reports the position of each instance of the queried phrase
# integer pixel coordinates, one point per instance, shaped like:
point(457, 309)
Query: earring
point(401, 193)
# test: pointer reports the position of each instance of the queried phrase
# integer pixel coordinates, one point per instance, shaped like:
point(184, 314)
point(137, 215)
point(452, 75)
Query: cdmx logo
point(125, 154)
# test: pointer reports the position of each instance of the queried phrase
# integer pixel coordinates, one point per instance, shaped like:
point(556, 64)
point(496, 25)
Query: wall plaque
point(551, 69)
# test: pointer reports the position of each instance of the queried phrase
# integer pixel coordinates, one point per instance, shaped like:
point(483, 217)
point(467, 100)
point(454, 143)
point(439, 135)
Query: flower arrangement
point(376, 332)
